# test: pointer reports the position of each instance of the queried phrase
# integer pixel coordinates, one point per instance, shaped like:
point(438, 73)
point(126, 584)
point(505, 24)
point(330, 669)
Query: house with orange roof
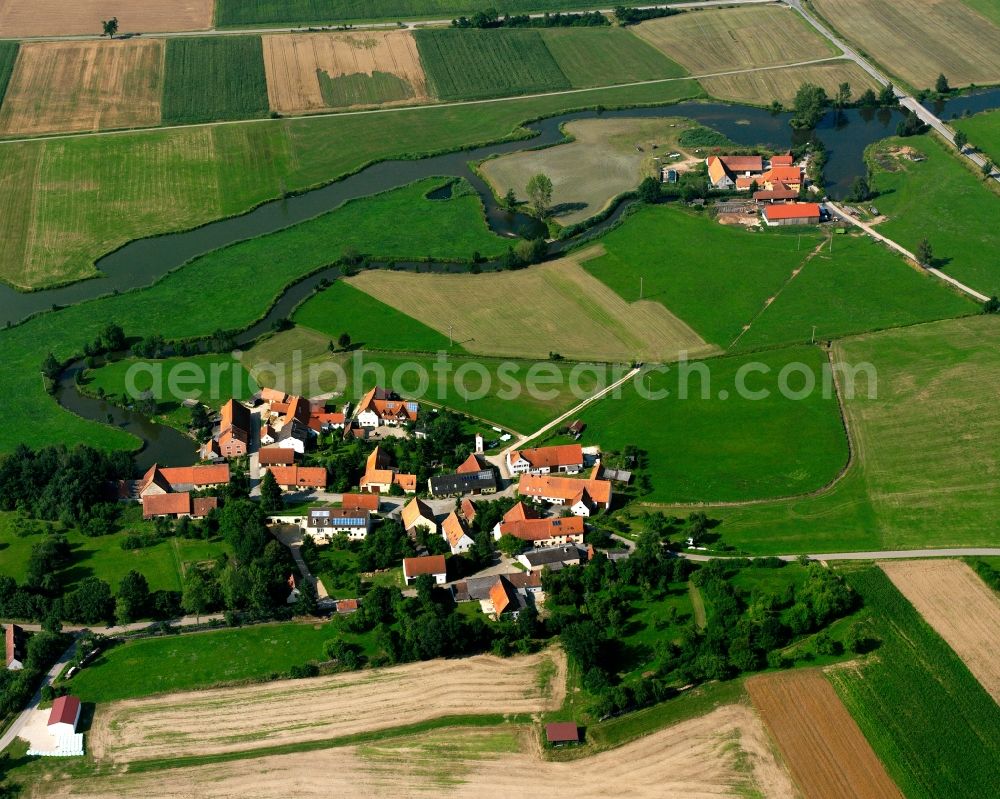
point(468, 510)
point(474, 463)
point(434, 565)
point(525, 524)
point(778, 177)
point(381, 406)
point(235, 430)
point(275, 456)
point(504, 599)
point(381, 475)
point(368, 502)
point(298, 478)
point(456, 534)
point(164, 480)
point(725, 170)
point(792, 214)
point(176, 505)
point(564, 458)
point(582, 497)
point(416, 513)
point(785, 159)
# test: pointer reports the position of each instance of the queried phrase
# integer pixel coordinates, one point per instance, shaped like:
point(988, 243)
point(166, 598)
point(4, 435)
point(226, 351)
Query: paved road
point(885, 554)
point(905, 100)
point(186, 621)
point(392, 25)
point(8, 737)
point(871, 231)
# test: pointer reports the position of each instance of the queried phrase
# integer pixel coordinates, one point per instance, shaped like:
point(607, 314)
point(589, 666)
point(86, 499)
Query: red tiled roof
point(562, 732)
point(211, 474)
point(427, 564)
point(775, 194)
point(500, 596)
point(272, 395)
point(369, 502)
point(471, 465)
point(550, 457)
point(469, 510)
point(566, 488)
point(785, 174)
point(305, 476)
point(166, 505)
point(781, 160)
point(542, 529)
point(200, 506)
point(793, 211)
point(65, 710)
point(453, 529)
point(742, 163)
point(519, 512)
point(276, 456)
point(414, 510)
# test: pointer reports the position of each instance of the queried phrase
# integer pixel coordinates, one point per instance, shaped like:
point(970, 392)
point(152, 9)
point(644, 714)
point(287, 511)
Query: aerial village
point(548, 493)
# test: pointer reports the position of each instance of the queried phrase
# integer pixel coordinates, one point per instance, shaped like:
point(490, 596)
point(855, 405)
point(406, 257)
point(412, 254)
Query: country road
point(884, 554)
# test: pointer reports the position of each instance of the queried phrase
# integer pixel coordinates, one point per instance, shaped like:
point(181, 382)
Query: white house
point(418, 514)
point(434, 565)
point(564, 459)
point(15, 640)
point(324, 523)
point(454, 532)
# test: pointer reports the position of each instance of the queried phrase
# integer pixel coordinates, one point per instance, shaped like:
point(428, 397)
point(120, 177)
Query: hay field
point(716, 40)
point(762, 87)
point(21, 18)
point(553, 307)
point(723, 754)
point(589, 172)
point(918, 39)
point(823, 746)
point(70, 86)
point(296, 711)
point(305, 70)
point(960, 607)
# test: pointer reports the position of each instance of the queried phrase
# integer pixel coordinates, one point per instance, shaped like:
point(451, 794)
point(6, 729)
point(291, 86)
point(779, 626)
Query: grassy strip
point(8, 56)
point(911, 690)
point(214, 77)
point(983, 131)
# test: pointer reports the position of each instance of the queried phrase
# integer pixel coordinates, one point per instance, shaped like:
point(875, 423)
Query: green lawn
point(983, 131)
point(199, 660)
point(102, 557)
point(470, 64)
point(927, 471)
point(144, 183)
point(214, 77)
point(306, 365)
point(716, 278)
point(235, 13)
point(912, 690)
point(371, 324)
point(8, 55)
point(648, 624)
point(732, 448)
point(940, 199)
point(606, 56)
point(874, 289)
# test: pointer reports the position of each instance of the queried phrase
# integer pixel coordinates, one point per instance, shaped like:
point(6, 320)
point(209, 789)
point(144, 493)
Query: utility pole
point(814, 335)
point(451, 340)
point(640, 287)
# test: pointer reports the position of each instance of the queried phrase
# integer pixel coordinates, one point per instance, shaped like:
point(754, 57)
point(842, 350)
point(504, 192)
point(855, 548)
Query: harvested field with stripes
point(553, 307)
point(725, 753)
point(715, 40)
point(71, 86)
point(960, 607)
point(317, 71)
point(823, 746)
point(917, 40)
point(761, 88)
point(219, 721)
point(21, 18)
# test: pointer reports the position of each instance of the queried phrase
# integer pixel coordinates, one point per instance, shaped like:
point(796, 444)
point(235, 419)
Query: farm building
point(565, 458)
point(504, 600)
point(775, 196)
point(322, 524)
point(416, 513)
point(477, 589)
point(368, 502)
point(562, 733)
point(582, 497)
point(62, 739)
point(524, 525)
point(383, 407)
point(159, 480)
point(553, 558)
point(725, 171)
point(177, 505)
point(16, 647)
point(474, 463)
point(792, 214)
point(235, 430)
point(455, 533)
point(456, 485)
point(296, 478)
point(434, 565)
point(468, 510)
point(275, 456)
point(65, 715)
point(782, 177)
point(380, 475)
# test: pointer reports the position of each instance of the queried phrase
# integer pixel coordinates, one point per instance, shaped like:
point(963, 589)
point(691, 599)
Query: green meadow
point(983, 131)
point(8, 55)
point(941, 200)
point(607, 56)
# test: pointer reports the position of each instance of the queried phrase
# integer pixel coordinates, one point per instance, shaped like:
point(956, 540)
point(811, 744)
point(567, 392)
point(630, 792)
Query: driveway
point(29, 712)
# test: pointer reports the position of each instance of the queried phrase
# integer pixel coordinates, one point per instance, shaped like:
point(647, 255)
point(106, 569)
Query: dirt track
point(294, 63)
point(823, 746)
point(723, 754)
point(60, 18)
point(65, 86)
point(228, 720)
point(960, 607)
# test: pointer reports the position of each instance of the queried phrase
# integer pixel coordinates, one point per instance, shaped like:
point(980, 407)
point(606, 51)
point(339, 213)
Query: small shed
point(65, 716)
point(562, 733)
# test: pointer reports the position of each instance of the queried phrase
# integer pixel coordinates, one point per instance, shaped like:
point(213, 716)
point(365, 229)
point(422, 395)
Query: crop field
point(960, 607)
point(303, 360)
point(552, 307)
point(229, 720)
point(721, 445)
point(717, 40)
point(312, 72)
point(8, 57)
point(163, 564)
point(910, 487)
point(606, 158)
point(723, 753)
point(878, 290)
point(606, 56)
point(927, 718)
point(918, 39)
point(211, 78)
point(938, 198)
point(142, 184)
point(983, 131)
point(23, 18)
point(68, 86)
point(765, 86)
point(371, 324)
point(470, 64)
point(825, 750)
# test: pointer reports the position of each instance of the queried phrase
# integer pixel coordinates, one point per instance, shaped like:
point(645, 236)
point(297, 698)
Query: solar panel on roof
point(323, 513)
point(412, 406)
